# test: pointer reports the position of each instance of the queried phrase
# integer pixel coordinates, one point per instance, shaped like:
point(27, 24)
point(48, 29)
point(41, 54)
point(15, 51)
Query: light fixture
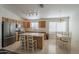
point(32, 14)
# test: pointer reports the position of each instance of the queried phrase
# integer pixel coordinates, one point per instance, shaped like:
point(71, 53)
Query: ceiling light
point(32, 14)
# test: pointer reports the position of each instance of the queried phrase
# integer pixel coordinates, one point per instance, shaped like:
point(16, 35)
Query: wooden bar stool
point(31, 43)
point(23, 41)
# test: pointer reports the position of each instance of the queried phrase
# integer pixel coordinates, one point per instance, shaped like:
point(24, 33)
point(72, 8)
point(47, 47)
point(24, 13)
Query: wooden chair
point(31, 43)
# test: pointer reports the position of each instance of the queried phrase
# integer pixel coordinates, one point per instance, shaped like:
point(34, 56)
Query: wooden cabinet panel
point(8, 41)
point(26, 24)
point(42, 24)
point(17, 36)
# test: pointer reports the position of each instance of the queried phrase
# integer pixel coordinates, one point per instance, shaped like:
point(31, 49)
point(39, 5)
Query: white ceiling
point(49, 10)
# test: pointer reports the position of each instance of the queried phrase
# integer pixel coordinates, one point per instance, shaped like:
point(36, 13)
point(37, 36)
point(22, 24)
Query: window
point(57, 26)
point(52, 26)
point(34, 25)
point(61, 27)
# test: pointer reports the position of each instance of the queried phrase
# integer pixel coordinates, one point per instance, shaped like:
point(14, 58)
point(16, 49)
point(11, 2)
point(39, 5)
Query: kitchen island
point(36, 36)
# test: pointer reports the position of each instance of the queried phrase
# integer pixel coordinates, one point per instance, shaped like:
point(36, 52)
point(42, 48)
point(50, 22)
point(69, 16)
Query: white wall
point(5, 13)
point(74, 28)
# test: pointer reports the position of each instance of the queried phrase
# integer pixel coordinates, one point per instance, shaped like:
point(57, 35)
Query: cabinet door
point(42, 24)
point(8, 41)
point(26, 24)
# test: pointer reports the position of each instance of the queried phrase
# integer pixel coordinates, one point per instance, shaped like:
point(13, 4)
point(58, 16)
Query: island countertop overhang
point(33, 34)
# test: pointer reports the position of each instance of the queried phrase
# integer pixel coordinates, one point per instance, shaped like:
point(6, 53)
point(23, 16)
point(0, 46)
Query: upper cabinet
point(42, 24)
point(26, 24)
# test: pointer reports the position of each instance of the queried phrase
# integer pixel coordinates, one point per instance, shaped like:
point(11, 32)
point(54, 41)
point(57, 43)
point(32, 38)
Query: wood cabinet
point(26, 24)
point(17, 36)
point(42, 24)
point(8, 40)
point(39, 42)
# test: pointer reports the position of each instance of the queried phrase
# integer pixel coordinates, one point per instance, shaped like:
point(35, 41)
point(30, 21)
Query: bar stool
point(23, 41)
point(31, 43)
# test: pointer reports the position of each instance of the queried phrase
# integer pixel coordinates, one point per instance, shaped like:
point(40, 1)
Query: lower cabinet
point(9, 40)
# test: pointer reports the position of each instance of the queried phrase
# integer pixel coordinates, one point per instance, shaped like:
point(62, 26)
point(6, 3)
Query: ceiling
point(49, 10)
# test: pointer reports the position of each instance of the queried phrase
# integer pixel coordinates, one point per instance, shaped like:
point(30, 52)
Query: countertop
point(33, 34)
point(36, 30)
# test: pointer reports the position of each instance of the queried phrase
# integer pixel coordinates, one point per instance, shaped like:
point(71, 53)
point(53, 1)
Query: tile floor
point(49, 48)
